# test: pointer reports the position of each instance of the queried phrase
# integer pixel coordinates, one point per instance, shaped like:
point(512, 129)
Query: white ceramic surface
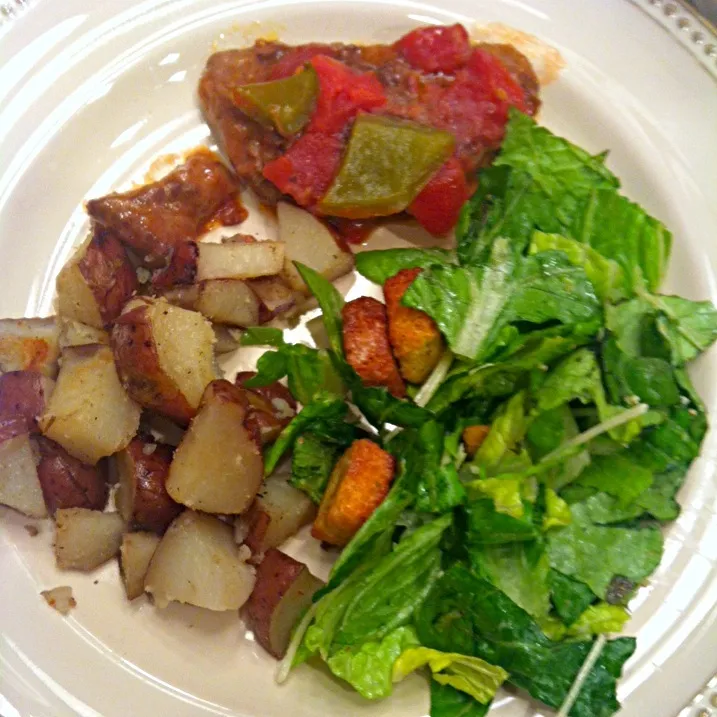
point(88, 98)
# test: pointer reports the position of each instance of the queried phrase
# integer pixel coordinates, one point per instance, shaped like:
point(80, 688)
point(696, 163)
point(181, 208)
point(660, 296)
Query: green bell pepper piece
point(285, 104)
point(387, 163)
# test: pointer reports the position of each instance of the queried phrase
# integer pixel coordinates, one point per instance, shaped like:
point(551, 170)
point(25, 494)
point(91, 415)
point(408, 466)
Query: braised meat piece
point(471, 102)
point(156, 217)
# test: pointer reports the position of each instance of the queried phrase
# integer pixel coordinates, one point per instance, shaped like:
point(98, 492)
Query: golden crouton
point(473, 437)
point(417, 343)
point(367, 347)
point(359, 483)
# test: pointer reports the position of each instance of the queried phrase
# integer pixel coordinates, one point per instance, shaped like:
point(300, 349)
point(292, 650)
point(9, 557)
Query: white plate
point(87, 100)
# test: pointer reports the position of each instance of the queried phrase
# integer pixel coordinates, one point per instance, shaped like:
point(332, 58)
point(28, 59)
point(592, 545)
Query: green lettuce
point(467, 302)
point(466, 614)
point(605, 275)
point(370, 667)
point(595, 554)
point(311, 464)
point(471, 675)
point(520, 570)
point(446, 701)
point(378, 266)
point(570, 597)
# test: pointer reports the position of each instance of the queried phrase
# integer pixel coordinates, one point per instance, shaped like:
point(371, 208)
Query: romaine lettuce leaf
point(570, 597)
point(380, 265)
point(550, 288)
point(621, 230)
point(446, 701)
point(507, 429)
point(557, 511)
point(471, 675)
point(520, 570)
point(311, 464)
point(474, 305)
point(369, 667)
point(467, 302)
point(553, 163)
point(596, 554)
point(605, 275)
point(617, 475)
point(438, 488)
point(599, 619)
point(331, 303)
point(325, 417)
point(542, 182)
point(464, 613)
point(380, 596)
point(501, 379)
point(687, 328)
point(487, 526)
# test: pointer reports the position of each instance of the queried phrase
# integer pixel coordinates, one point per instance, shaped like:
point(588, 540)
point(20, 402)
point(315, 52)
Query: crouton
point(359, 483)
point(367, 347)
point(473, 437)
point(417, 343)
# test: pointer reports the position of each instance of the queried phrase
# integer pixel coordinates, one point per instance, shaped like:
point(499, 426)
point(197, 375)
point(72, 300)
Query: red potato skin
point(181, 269)
point(367, 347)
point(153, 509)
point(155, 218)
point(139, 370)
point(222, 390)
point(12, 426)
point(24, 394)
point(109, 274)
point(274, 576)
point(67, 482)
point(264, 417)
point(258, 522)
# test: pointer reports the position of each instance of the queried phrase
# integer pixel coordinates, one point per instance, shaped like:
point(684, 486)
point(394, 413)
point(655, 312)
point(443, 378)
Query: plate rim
point(679, 20)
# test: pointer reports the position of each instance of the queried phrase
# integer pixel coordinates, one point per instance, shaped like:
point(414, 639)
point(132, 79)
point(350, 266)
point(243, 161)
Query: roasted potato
point(181, 268)
point(416, 340)
point(282, 593)
point(97, 282)
point(25, 394)
point(239, 260)
point(197, 562)
point(227, 339)
point(142, 499)
point(164, 355)
point(218, 466)
point(136, 553)
point(366, 344)
point(73, 333)
point(67, 482)
point(279, 511)
point(84, 539)
point(275, 297)
point(29, 345)
point(89, 414)
point(228, 301)
point(161, 429)
point(359, 482)
point(19, 485)
point(183, 296)
point(309, 241)
point(473, 437)
point(270, 408)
